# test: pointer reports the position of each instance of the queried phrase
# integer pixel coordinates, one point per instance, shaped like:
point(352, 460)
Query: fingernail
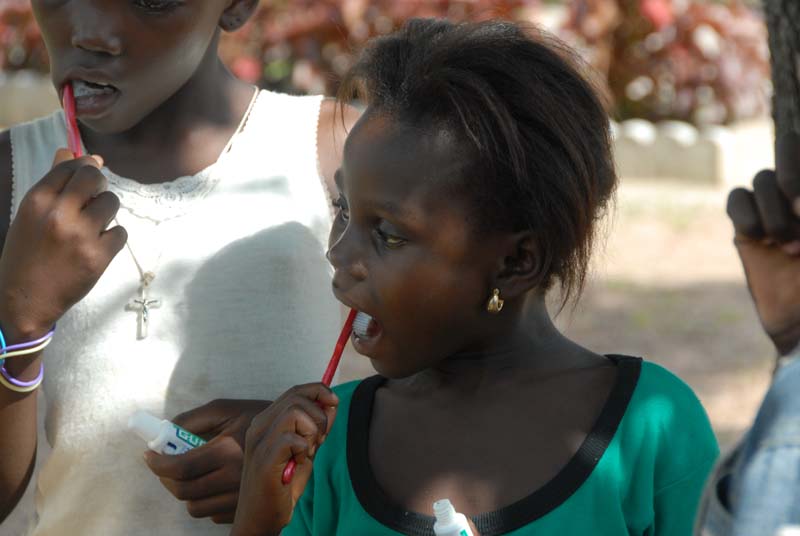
point(312, 451)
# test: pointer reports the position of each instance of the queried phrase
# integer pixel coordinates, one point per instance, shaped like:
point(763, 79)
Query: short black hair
point(532, 124)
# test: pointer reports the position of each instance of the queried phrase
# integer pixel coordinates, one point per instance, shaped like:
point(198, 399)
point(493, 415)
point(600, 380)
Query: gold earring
point(495, 304)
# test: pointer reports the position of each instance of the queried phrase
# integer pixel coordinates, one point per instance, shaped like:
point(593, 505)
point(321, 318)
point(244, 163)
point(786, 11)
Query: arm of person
point(764, 492)
point(60, 228)
point(760, 493)
point(17, 413)
point(292, 428)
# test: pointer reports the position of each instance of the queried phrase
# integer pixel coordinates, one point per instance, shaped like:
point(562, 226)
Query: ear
point(237, 14)
point(524, 266)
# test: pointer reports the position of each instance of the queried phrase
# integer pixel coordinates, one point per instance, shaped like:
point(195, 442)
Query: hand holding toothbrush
point(292, 428)
point(58, 245)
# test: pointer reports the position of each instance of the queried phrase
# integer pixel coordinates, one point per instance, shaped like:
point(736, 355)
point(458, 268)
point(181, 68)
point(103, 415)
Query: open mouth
point(366, 332)
point(93, 98)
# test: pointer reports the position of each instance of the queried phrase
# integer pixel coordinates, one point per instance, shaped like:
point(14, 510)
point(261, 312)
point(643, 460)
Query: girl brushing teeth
point(470, 187)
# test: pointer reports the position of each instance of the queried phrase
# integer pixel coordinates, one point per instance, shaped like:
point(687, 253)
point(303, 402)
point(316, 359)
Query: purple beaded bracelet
point(26, 345)
point(19, 383)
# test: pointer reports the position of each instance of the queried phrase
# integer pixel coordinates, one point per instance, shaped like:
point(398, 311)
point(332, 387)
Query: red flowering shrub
point(21, 45)
point(305, 45)
point(700, 62)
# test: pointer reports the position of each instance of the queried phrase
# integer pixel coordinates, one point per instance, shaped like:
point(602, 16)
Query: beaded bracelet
point(19, 386)
point(29, 351)
point(22, 349)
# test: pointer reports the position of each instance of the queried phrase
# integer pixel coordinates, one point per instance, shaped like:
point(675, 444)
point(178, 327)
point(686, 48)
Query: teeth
point(82, 88)
point(361, 324)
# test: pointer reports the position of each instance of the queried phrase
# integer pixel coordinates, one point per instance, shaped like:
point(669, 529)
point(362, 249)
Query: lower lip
point(365, 346)
point(92, 106)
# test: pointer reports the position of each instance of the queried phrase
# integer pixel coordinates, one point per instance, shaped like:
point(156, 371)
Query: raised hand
point(293, 427)
point(768, 240)
point(58, 245)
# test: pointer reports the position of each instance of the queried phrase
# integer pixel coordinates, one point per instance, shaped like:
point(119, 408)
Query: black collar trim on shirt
point(511, 517)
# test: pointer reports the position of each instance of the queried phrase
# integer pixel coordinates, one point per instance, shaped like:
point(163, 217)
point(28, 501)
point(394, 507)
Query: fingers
point(773, 206)
point(114, 239)
point(217, 483)
point(743, 212)
point(58, 177)
point(300, 404)
point(86, 183)
point(196, 463)
point(764, 213)
point(220, 508)
point(102, 210)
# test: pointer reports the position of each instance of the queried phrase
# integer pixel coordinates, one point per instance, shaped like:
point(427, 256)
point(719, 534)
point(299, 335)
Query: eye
point(391, 241)
point(342, 210)
point(157, 6)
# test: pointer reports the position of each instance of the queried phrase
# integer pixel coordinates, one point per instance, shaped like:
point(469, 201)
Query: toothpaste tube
point(163, 436)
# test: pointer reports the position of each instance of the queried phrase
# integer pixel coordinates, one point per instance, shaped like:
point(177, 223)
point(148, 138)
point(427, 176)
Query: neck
point(532, 347)
point(185, 133)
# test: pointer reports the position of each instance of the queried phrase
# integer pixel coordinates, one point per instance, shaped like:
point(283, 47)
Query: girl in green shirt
point(471, 186)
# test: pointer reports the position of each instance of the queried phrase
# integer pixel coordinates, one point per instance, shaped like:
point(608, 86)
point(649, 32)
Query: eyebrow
point(387, 207)
point(391, 208)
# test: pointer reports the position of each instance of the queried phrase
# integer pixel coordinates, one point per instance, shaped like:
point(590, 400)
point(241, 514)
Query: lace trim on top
point(173, 199)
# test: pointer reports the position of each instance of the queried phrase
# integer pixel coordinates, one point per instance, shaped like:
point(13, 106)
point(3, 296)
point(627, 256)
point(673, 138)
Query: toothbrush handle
point(327, 378)
point(73, 134)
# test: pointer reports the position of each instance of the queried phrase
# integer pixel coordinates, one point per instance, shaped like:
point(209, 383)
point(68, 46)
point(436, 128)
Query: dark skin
point(403, 254)
point(766, 220)
point(176, 107)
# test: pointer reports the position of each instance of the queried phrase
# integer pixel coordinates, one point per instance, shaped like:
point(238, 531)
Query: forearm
point(17, 423)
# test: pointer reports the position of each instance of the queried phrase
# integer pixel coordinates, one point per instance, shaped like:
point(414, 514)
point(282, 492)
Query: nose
point(347, 260)
point(93, 35)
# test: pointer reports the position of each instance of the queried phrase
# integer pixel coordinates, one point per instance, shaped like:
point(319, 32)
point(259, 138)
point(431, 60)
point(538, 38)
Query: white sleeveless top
point(247, 311)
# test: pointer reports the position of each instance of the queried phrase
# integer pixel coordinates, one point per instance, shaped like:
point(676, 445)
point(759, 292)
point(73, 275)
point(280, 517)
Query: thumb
point(64, 155)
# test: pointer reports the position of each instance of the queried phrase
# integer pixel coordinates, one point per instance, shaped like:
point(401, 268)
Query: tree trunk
point(783, 23)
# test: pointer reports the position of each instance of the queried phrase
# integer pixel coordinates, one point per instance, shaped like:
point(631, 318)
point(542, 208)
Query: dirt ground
point(667, 285)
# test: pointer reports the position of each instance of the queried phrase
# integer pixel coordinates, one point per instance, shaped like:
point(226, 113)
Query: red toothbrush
point(327, 378)
point(73, 134)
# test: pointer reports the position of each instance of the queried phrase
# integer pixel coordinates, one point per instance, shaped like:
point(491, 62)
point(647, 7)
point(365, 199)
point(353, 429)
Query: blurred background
point(688, 84)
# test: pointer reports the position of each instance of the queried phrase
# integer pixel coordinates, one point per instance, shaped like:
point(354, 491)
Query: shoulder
point(335, 122)
point(359, 390)
point(658, 380)
point(662, 397)
point(666, 417)
point(6, 179)
point(345, 390)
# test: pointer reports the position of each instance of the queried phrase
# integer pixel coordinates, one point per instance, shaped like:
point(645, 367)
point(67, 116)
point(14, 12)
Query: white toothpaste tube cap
point(145, 425)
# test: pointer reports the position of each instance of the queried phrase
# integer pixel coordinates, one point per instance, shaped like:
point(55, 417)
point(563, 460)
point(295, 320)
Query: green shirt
point(641, 470)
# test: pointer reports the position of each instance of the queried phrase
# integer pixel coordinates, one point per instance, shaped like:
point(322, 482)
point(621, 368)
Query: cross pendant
point(141, 306)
